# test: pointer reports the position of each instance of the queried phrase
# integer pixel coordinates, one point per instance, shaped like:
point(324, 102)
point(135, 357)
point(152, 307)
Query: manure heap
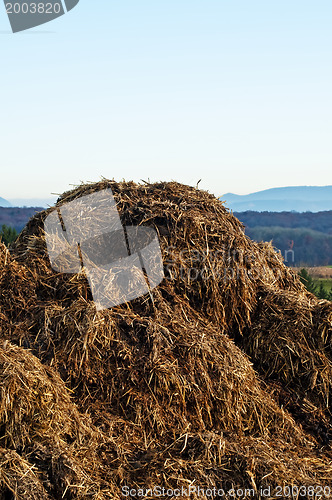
point(220, 378)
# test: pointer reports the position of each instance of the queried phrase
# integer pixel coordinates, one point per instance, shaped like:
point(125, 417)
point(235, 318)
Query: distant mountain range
point(28, 202)
point(4, 203)
point(33, 202)
point(292, 198)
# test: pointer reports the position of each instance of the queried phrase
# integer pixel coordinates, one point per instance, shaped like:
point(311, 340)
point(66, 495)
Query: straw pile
point(221, 379)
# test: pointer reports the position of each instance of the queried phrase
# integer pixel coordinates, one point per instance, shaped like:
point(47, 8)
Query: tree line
point(318, 221)
point(304, 239)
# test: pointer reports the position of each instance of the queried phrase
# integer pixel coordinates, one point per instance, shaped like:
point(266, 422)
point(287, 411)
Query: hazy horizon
point(45, 201)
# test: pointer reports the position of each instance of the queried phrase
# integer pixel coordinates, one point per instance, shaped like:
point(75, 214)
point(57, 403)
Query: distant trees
point(309, 232)
point(8, 234)
point(309, 247)
point(318, 221)
point(17, 217)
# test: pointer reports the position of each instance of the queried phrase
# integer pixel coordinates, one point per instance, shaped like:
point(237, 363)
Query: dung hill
point(220, 377)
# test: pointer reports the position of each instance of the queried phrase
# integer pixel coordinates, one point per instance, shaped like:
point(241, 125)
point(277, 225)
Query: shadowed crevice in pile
point(163, 392)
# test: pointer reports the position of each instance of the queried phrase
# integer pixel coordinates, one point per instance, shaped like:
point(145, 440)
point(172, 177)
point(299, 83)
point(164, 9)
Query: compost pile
point(219, 377)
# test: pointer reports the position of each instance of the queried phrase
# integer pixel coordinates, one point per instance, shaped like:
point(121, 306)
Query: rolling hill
point(291, 198)
point(4, 203)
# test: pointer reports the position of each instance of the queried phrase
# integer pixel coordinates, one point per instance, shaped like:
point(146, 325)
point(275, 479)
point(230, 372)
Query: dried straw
point(223, 378)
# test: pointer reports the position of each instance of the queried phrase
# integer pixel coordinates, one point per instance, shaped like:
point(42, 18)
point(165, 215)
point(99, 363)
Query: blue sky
point(235, 93)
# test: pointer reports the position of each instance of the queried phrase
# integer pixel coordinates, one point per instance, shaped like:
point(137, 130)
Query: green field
point(327, 283)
